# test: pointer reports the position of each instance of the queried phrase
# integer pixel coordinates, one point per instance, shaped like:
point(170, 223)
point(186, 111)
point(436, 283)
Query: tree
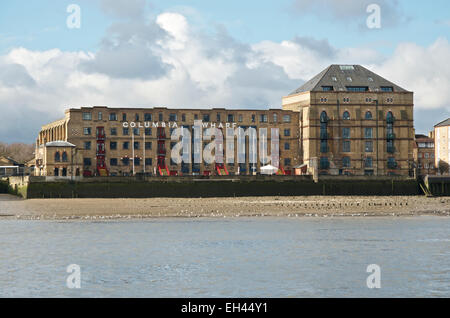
point(443, 167)
point(20, 152)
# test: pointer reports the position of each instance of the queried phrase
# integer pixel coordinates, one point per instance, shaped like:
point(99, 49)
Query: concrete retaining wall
point(194, 188)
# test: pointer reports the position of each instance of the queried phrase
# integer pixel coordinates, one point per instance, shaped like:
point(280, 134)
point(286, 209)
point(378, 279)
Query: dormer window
point(370, 79)
point(349, 79)
point(387, 88)
point(327, 88)
point(333, 78)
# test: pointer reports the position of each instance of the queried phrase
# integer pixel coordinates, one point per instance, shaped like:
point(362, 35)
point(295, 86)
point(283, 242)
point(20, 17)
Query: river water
point(241, 257)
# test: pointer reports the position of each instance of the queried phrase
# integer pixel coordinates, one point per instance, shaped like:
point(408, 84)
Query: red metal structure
point(101, 162)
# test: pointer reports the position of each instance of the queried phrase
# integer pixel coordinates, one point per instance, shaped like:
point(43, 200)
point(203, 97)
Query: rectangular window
point(87, 145)
point(183, 117)
point(368, 163)
point(240, 118)
point(136, 117)
point(368, 133)
point(126, 145)
point(287, 146)
point(327, 88)
point(346, 146)
point(147, 117)
point(346, 163)
point(357, 88)
point(87, 116)
point(124, 117)
point(253, 118)
point(172, 117)
point(125, 161)
point(160, 117)
point(87, 130)
point(113, 145)
point(100, 116)
point(369, 146)
point(113, 117)
point(346, 133)
point(148, 145)
point(324, 163)
point(136, 145)
point(113, 161)
point(148, 161)
point(206, 117)
point(287, 161)
point(125, 131)
point(263, 118)
point(218, 116)
point(230, 118)
point(136, 131)
point(287, 132)
point(148, 131)
point(113, 131)
point(275, 117)
point(286, 118)
point(137, 161)
point(387, 88)
point(87, 161)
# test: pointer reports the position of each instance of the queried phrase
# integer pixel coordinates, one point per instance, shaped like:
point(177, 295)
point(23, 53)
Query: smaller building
point(442, 149)
point(56, 158)
point(10, 167)
point(424, 155)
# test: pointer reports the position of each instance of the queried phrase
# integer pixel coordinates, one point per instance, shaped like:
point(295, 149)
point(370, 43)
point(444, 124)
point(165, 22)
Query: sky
point(199, 53)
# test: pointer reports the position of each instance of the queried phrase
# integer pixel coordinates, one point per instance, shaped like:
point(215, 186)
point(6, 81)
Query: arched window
point(64, 157)
point(323, 132)
point(390, 136)
point(323, 117)
point(57, 157)
point(390, 118)
point(368, 115)
point(346, 115)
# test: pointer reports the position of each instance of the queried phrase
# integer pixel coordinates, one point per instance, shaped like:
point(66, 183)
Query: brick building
point(424, 155)
point(346, 120)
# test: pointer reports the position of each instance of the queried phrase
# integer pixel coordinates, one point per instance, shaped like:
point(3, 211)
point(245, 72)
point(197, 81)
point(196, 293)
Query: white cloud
point(188, 68)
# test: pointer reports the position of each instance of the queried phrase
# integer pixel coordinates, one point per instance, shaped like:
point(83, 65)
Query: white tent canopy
point(269, 169)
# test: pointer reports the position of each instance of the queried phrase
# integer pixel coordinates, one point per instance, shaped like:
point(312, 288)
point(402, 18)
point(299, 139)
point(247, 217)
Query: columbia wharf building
point(347, 120)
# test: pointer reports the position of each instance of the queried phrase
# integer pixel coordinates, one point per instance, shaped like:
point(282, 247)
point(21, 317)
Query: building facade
point(424, 153)
point(127, 141)
point(442, 152)
point(345, 121)
point(354, 122)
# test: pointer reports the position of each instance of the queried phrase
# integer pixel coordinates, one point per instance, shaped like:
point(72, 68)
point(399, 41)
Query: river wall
point(196, 187)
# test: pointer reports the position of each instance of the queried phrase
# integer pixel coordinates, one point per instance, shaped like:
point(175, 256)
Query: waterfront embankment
point(12, 207)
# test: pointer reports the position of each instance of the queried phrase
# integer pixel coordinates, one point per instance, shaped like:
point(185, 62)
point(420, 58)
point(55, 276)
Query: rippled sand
point(320, 206)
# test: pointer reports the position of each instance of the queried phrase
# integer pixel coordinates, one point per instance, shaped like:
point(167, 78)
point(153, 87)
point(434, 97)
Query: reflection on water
point(260, 257)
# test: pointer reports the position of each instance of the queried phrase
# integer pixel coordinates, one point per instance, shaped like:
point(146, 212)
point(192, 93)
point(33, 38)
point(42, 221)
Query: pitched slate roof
point(443, 123)
point(336, 76)
point(59, 143)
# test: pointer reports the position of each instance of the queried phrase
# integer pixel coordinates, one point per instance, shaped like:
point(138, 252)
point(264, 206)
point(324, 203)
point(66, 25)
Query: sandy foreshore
point(311, 206)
